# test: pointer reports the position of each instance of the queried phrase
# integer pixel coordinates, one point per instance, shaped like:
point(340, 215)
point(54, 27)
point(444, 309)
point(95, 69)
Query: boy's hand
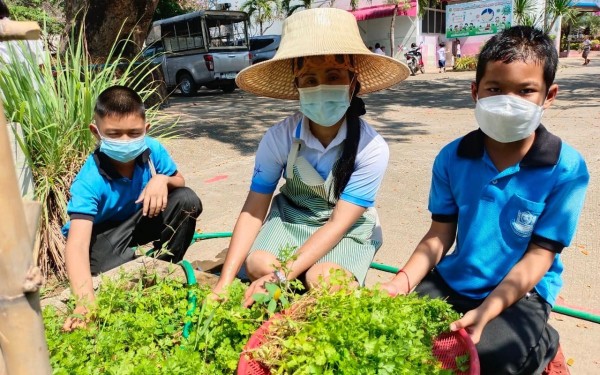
point(473, 322)
point(78, 319)
point(393, 288)
point(155, 196)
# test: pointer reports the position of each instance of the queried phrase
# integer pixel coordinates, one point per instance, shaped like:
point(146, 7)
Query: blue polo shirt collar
point(107, 169)
point(545, 150)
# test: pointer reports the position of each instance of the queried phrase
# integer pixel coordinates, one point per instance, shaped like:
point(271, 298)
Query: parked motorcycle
point(414, 59)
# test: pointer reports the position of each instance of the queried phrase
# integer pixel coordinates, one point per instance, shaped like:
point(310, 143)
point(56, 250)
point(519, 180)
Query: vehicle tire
point(228, 88)
point(186, 84)
point(422, 68)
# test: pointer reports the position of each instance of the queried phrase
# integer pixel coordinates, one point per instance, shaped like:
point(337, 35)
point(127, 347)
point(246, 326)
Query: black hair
point(4, 12)
point(119, 101)
point(520, 43)
point(377, 45)
point(345, 165)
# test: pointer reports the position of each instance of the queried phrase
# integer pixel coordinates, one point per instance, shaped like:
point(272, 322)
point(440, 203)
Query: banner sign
point(478, 18)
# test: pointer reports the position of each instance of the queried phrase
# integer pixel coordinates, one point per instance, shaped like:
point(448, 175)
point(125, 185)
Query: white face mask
point(325, 104)
point(507, 118)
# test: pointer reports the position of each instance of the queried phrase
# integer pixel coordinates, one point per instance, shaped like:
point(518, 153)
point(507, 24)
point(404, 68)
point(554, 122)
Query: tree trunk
point(393, 32)
point(23, 348)
point(109, 21)
point(125, 22)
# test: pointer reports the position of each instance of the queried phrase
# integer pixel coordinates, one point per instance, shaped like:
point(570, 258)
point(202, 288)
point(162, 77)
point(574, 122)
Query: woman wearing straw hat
point(333, 162)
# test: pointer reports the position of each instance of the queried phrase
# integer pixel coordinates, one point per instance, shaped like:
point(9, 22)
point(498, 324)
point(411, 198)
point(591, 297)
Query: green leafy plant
point(347, 331)
point(280, 294)
point(465, 63)
point(462, 363)
point(137, 329)
point(54, 104)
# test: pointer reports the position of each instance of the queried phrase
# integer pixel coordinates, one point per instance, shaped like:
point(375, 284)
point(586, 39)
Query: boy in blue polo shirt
point(510, 194)
point(128, 193)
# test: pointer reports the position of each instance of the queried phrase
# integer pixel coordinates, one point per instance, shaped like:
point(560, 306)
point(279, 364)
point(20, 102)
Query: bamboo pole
point(22, 341)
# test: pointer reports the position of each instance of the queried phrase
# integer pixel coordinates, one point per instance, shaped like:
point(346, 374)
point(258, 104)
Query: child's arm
point(520, 280)
point(78, 270)
point(245, 232)
point(432, 248)
point(155, 194)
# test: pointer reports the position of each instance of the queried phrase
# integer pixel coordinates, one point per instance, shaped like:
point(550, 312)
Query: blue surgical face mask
point(123, 150)
point(325, 104)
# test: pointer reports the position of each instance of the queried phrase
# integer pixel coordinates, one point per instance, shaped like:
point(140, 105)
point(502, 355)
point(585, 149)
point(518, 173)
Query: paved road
point(220, 132)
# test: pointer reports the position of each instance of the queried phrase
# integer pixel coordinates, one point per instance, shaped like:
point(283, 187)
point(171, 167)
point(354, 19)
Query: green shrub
point(465, 63)
point(139, 331)
point(54, 105)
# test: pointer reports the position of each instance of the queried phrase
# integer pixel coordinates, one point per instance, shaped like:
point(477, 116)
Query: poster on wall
point(478, 18)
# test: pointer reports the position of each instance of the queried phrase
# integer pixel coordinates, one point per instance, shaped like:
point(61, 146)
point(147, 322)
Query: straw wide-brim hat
point(313, 32)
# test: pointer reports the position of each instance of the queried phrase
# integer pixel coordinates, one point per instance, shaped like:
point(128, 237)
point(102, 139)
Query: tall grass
point(54, 105)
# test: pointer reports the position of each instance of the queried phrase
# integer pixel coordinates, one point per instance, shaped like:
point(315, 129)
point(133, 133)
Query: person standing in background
point(586, 49)
point(442, 57)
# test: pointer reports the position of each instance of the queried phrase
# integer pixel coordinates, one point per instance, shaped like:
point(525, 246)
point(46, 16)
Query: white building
point(471, 22)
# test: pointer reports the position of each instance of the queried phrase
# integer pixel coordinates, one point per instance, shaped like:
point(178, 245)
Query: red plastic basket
point(446, 348)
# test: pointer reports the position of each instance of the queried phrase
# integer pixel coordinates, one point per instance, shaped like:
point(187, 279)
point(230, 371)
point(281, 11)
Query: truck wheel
point(228, 88)
point(186, 84)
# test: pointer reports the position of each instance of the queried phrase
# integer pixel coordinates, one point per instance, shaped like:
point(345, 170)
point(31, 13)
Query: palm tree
point(556, 9)
point(524, 13)
point(288, 9)
point(262, 11)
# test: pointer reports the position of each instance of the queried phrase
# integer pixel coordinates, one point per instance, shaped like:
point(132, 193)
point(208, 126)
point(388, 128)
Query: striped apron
point(304, 205)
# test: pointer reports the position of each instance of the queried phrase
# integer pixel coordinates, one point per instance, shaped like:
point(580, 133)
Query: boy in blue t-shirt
point(510, 194)
point(128, 193)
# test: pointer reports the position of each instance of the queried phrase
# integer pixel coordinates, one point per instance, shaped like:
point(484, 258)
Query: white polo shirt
point(369, 167)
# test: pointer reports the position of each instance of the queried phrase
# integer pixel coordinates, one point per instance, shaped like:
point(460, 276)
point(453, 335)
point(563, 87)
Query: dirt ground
point(220, 132)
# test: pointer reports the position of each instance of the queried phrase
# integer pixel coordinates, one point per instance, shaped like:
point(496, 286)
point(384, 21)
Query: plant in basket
point(337, 329)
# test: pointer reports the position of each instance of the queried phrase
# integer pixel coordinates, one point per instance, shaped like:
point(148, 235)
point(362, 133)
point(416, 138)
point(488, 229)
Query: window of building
point(434, 19)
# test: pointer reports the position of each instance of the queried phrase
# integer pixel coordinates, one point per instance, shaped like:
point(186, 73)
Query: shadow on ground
point(240, 119)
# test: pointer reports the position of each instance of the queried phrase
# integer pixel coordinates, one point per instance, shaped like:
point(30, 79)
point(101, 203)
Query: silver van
point(264, 47)
point(204, 48)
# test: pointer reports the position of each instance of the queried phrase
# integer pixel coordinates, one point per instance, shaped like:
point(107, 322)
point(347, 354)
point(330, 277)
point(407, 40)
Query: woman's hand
point(258, 286)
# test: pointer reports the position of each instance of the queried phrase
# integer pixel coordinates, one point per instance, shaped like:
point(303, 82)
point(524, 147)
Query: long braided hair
point(345, 164)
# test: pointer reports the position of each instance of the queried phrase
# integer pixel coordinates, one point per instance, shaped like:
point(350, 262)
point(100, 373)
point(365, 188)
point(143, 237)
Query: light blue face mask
point(123, 150)
point(325, 104)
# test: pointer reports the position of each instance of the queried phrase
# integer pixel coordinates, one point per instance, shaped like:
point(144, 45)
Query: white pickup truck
point(205, 48)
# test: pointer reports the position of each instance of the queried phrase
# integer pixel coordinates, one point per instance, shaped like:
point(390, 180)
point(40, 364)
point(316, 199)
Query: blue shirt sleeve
point(161, 158)
point(84, 199)
point(441, 199)
point(366, 179)
point(268, 165)
point(558, 221)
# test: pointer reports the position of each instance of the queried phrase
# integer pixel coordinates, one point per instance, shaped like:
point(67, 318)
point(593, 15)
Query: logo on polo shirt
point(523, 225)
